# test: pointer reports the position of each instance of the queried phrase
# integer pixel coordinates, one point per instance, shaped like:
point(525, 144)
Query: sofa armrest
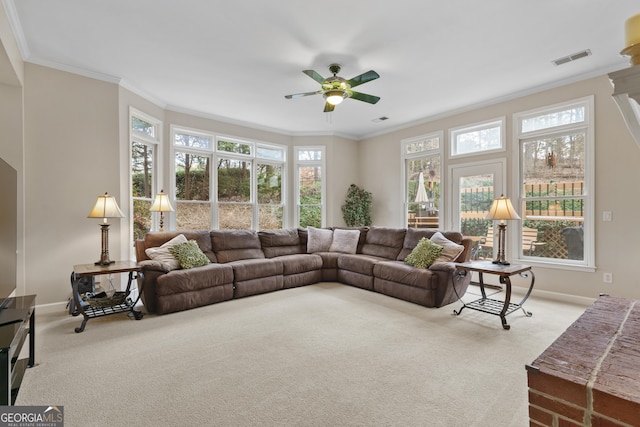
point(448, 267)
point(150, 265)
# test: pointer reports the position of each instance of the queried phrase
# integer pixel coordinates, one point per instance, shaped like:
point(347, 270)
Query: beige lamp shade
point(502, 209)
point(106, 207)
point(161, 203)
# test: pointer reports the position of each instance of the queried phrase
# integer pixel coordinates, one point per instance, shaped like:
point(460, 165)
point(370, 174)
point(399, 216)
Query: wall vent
point(572, 57)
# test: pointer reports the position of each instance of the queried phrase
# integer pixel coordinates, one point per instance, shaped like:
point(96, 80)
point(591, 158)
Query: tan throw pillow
point(319, 240)
point(450, 249)
point(162, 254)
point(424, 254)
point(345, 241)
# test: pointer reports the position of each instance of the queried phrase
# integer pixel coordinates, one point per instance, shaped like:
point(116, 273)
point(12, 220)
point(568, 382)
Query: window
point(423, 180)
point(243, 192)
point(310, 189)
point(480, 138)
point(144, 134)
point(556, 182)
point(234, 193)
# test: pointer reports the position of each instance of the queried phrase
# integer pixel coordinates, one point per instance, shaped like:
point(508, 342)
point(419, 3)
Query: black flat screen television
point(8, 242)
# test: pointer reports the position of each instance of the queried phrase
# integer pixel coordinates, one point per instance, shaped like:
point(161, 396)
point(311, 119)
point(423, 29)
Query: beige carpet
point(321, 355)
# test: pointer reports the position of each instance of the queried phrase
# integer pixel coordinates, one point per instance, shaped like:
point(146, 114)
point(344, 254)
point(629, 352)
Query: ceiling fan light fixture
point(335, 97)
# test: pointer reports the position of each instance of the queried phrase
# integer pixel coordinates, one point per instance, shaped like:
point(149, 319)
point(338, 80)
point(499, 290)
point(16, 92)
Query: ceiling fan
point(336, 89)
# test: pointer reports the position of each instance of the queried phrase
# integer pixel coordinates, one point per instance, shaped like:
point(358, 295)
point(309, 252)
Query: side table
point(493, 306)
point(88, 311)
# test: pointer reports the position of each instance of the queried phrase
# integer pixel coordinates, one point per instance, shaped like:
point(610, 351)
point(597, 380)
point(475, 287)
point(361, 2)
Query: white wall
point(617, 178)
point(71, 157)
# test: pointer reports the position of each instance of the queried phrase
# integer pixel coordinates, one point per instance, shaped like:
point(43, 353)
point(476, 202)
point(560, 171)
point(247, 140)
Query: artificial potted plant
point(356, 210)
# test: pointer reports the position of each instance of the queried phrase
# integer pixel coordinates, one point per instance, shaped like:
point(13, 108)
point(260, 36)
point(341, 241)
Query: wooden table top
point(490, 267)
point(116, 267)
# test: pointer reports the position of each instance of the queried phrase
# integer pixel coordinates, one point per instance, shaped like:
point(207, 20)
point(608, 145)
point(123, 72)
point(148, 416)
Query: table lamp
point(502, 210)
point(161, 204)
point(105, 207)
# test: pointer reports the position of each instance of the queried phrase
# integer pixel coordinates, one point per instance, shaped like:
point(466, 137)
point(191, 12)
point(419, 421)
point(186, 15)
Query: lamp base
point(501, 262)
point(104, 254)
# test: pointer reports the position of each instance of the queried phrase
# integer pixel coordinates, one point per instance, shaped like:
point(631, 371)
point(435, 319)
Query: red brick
point(615, 407)
point(566, 423)
point(598, 421)
point(557, 406)
point(541, 417)
point(572, 392)
point(610, 328)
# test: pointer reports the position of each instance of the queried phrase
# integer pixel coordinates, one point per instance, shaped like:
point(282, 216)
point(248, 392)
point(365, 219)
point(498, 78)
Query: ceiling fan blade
point(300, 95)
point(371, 99)
point(328, 107)
point(315, 76)
point(363, 78)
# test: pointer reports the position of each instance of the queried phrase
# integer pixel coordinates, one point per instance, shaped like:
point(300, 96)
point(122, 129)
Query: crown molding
point(16, 28)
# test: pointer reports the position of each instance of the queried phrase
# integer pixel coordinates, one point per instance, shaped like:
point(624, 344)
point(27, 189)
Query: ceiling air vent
point(572, 57)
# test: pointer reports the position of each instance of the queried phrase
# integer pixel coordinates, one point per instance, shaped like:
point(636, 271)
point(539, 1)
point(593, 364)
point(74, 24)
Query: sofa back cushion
point(414, 235)
point(280, 242)
point(157, 239)
point(234, 245)
point(384, 242)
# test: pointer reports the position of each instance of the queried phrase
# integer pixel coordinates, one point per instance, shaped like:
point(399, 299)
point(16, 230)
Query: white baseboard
point(555, 296)
point(55, 307)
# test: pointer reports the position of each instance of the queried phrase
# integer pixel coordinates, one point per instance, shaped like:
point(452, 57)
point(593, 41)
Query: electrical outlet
point(607, 277)
point(607, 216)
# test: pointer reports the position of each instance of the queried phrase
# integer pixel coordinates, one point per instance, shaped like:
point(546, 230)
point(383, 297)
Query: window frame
point(486, 124)
point(519, 138)
point(215, 155)
point(406, 156)
point(297, 163)
point(156, 181)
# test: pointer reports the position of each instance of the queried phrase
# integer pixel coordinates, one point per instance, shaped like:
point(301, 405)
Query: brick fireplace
point(590, 376)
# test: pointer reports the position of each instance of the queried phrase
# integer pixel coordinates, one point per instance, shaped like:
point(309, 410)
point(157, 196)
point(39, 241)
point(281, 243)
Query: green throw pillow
point(189, 254)
point(424, 254)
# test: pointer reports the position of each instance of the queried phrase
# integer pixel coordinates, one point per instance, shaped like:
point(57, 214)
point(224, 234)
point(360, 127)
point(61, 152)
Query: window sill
point(555, 265)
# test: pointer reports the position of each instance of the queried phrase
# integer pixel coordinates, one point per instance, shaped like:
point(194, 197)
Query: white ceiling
point(235, 60)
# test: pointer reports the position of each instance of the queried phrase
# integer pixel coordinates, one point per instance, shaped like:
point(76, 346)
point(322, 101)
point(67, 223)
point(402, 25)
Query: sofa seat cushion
point(281, 242)
point(399, 272)
point(249, 269)
point(300, 263)
point(329, 259)
point(194, 279)
point(359, 263)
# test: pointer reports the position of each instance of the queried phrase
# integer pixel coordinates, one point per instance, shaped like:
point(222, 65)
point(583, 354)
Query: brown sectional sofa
point(246, 262)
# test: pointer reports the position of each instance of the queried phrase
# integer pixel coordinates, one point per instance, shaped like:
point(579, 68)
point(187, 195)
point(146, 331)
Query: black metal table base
point(494, 306)
point(79, 307)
